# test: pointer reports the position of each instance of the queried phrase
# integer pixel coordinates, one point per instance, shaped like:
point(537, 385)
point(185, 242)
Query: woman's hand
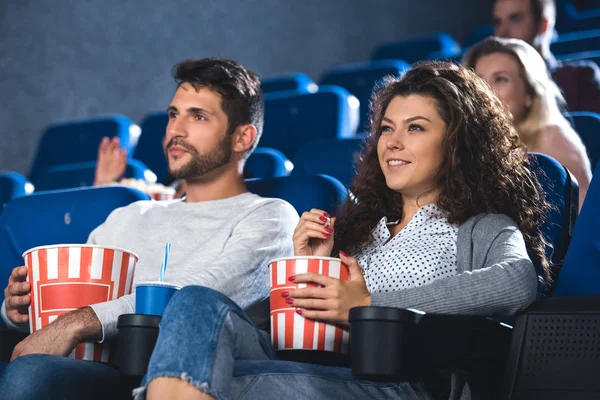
point(112, 162)
point(314, 234)
point(331, 302)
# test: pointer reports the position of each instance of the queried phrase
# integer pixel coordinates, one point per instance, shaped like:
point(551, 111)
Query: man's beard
point(201, 165)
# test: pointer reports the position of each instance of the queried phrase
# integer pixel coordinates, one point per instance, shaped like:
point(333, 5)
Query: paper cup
point(70, 276)
point(290, 331)
point(151, 298)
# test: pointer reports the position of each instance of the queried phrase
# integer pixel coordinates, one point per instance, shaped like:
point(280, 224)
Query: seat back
point(562, 192)
point(12, 184)
point(292, 119)
point(62, 216)
point(336, 157)
point(587, 126)
point(575, 42)
point(149, 148)
point(295, 81)
point(77, 141)
point(265, 163)
point(303, 192)
point(434, 46)
point(360, 79)
point(580, 274)
point(82, 174)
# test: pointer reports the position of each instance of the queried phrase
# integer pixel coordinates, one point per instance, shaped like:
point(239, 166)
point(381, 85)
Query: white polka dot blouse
point(423, 251)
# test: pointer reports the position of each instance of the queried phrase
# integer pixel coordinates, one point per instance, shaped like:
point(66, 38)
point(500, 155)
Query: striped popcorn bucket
point(167, 195)
point(290, 331)
point(70, 276)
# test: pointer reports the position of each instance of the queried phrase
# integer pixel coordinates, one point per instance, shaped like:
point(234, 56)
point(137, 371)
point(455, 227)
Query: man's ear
point(245, 135)
point(544, 25)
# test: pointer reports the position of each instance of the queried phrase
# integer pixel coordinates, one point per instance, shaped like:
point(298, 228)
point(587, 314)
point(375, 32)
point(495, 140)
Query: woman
point(518, 74)
point(445, 218)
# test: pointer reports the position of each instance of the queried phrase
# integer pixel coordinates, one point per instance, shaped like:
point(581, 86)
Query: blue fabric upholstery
point(74, 142)
point(593, 56)
point(580, 274)
point(587, 126)
point(12, 184)
point(303, 192)
point(267, 163)
point(82, 174)
point(570, 19)
point(430, 47)
point(62, 216)
point(575, 42)
point(360, 79)
point(562, 192)
point(335, 157)
point(295, 81)
point(291, 119)
point(149, 148)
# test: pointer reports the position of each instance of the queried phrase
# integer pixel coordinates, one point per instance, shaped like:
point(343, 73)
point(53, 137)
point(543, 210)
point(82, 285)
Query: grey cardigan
point(495, 275)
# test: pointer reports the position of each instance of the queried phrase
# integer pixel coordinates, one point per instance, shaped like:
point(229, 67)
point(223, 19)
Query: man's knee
point(194, 298)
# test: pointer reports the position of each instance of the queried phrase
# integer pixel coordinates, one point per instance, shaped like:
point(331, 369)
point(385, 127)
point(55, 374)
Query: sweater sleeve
point(505, 284)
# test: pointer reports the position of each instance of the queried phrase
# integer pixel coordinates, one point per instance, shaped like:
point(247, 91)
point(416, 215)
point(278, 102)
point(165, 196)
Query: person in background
point(519, 77)
point(533, 21)
point(222, 235)
point(445, 218)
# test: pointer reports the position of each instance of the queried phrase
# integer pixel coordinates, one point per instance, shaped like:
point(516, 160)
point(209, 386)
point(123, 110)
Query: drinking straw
point(161, 276)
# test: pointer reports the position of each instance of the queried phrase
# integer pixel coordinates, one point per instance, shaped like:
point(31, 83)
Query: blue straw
point(161, 276)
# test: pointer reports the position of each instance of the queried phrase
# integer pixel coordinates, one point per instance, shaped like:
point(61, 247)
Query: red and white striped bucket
point(290, 331)
point(70, 276)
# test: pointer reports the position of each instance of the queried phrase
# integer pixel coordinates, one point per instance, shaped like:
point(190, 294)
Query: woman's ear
point(245, 136)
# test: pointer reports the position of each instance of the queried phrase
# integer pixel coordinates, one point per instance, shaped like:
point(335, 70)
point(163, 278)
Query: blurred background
point(67, 60)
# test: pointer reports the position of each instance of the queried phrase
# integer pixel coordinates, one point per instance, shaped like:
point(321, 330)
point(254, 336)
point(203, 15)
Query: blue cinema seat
point(292, 119)
point(429, 47)
point(78, 141)
point(303, 192)
point(575, 42)
point(587, 126)
point(62, 216)
point(149, 149)
point(12, 184)
point(265, 163)
point(334, 157)
point(82, 174)
point(295, 81)
point(562, 192)
point(360, 79)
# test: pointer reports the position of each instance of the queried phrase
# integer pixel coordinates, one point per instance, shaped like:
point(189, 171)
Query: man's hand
point(60, 337)
point(16, 296)
point(112, 162)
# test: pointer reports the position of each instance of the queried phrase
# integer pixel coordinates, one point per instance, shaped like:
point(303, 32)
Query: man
point(533, 21)
point(222, 236)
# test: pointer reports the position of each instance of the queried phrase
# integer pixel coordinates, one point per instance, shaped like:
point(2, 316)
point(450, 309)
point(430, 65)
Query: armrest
point(393, 344)
point(8, 340)
point(555, 348)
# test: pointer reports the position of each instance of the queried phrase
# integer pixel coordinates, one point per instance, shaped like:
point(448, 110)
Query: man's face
point(196, 141)
point(514, 19)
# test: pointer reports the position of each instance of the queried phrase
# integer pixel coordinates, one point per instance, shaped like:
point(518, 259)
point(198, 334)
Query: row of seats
point(64, 216)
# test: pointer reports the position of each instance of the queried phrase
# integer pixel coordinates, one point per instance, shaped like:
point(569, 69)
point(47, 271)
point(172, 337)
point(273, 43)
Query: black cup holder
point(135, 343)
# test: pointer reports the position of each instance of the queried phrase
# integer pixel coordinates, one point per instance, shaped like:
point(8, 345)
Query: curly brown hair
point(484, 168)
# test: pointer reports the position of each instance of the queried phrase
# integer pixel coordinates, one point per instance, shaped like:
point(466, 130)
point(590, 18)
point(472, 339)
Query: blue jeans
point(41, 376)
point(208, 341)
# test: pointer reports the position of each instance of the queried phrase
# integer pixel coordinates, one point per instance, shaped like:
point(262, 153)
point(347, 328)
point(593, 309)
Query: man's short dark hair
point(242, 99)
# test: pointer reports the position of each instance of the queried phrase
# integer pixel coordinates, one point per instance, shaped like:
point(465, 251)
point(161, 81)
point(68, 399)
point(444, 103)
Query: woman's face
point(501, 71)
point(410, 146)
